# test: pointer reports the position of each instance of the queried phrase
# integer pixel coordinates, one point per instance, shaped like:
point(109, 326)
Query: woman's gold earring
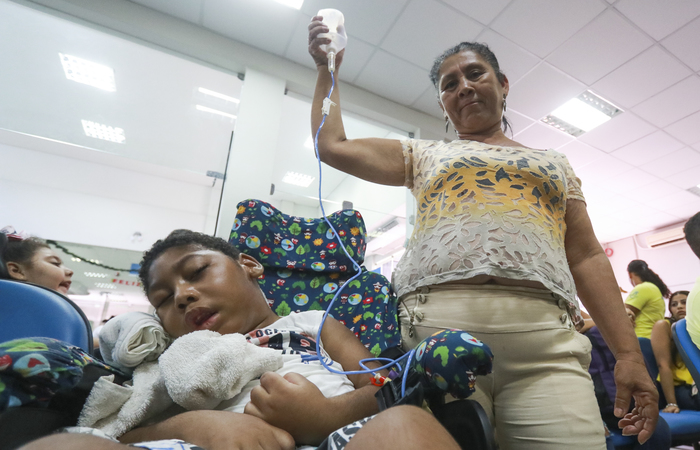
point(504, 102)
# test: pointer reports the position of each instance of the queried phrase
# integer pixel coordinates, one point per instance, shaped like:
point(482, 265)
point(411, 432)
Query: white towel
point(198, 371)
point(203, 368)
point(132, 338)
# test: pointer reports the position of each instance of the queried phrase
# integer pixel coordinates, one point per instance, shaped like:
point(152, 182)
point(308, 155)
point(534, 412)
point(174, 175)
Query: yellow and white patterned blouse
point(488, 210)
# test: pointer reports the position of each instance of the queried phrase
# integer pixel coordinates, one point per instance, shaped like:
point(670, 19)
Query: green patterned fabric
point(305, 266)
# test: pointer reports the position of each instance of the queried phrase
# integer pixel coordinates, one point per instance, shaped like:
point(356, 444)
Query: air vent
point(665, 237)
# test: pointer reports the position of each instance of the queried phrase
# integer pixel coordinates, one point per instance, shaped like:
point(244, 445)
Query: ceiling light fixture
point(95, 274)
point(88, 72)
point(582, 114)
point(215, 111)
point(298, 179)
point(106, 285)
point(104, 132)
point(218, 95)
point(296, 4)
point(309, 143)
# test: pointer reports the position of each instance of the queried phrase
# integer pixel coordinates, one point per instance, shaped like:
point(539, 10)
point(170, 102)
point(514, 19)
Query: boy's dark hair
point(181, 238)
point(692, 233)
point(642, 270)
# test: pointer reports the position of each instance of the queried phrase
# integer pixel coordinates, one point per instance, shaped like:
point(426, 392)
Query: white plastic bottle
point(335, 22)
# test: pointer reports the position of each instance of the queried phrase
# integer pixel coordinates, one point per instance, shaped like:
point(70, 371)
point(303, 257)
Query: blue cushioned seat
point(28, 310)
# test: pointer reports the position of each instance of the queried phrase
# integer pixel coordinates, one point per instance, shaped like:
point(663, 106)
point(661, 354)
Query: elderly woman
point(501, 245)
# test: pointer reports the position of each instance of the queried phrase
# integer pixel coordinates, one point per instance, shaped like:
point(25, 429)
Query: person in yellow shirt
point(692, 318)
point(646, 300)
point(674, 377)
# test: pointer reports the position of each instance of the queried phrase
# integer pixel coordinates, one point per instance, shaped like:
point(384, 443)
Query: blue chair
point(685, 426)
point(28, 310)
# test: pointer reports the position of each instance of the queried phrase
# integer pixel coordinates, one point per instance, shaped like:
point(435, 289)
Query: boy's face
point(200, 289)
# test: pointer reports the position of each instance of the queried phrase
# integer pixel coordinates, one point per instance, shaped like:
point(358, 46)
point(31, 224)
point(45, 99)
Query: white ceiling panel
point(654, 190)
point(513, 60)
point(369, 20)
point(630, 181)
point(604, 168)
point(580, 154)
point(685, 42)
point(687, 130)
point(600, 47)
point(420, 41)
point(648, 148)
point(394, 78)
point(428, 103)
point(675, 103)
point(541, 26)
point(542, 137)
point(634, 82)
point(686, 178)
point(659, 18)
point(517, 121)
point(679, 200)
point(265, 25)
point(190, 11)
point(618, 131)
point(479, 10)
point(542, 91)
point(673, 163)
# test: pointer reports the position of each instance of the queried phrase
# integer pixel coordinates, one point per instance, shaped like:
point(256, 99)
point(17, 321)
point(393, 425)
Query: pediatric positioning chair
point(304, 266)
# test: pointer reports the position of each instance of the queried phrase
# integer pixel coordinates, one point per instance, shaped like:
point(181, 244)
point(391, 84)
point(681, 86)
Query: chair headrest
point(4, 274)
point(283, 241)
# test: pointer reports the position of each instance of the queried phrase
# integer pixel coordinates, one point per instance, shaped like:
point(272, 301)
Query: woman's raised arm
point(373, 159)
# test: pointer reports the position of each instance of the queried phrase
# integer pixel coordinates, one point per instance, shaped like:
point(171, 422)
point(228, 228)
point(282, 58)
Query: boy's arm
point(296, 405)
point(215, 430)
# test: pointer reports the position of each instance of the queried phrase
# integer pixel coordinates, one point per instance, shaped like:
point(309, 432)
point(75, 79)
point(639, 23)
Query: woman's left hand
point(632, 381)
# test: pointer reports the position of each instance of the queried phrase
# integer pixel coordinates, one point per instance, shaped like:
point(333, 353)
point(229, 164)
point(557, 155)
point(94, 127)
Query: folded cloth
point(132, 338)
point(198, 371)
point(203, 368)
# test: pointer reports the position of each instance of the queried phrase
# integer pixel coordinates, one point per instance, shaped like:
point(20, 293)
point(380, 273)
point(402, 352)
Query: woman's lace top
point(488, 210)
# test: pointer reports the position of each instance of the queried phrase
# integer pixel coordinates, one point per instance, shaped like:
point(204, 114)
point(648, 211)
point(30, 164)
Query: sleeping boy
point(197, 282)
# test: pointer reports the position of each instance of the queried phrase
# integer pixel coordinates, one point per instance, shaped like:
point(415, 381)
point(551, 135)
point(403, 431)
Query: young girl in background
point(31, 259)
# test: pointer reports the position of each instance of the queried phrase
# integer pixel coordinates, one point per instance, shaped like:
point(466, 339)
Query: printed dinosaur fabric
point(33, 370)
point(305, 267)
point(488, 210)
point(450, 360)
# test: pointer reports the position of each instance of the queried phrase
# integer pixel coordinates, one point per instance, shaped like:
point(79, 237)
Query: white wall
point(68, 199)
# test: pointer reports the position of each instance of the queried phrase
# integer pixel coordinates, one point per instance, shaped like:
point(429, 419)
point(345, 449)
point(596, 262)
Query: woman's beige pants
point(539, 396)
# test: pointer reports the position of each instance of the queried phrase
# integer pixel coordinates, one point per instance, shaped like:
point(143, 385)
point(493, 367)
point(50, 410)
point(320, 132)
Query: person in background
point(602, 371)
point(501, 245)
point(646, 300)
point(96, 335)
point(31, 259)
point(674, 377)
point(692, 317)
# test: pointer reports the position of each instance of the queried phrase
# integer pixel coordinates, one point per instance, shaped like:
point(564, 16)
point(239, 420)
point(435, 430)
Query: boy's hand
point(293, 404)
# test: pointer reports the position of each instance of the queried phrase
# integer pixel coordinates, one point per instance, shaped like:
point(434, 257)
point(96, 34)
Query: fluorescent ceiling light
point(95, 274)
point(88, 72)
point(103, 132)
point(215, 111)
point(296, 4)
point(106, 285)
point(218, 95)
point(582, 114)
point(309, 143)
point(298, 179)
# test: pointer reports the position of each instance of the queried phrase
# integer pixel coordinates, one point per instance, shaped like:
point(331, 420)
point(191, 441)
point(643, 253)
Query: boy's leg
point(404, 427)
point(74, 442)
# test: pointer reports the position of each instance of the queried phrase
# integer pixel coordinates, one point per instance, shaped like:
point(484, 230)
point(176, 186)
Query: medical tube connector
point(335, 22)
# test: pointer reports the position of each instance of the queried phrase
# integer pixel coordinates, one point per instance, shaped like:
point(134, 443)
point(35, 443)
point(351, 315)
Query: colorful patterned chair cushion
point(304, 267)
